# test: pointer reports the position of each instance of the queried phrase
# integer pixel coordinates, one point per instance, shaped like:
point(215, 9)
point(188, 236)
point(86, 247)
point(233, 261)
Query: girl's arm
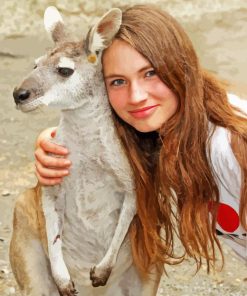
point(51, 163)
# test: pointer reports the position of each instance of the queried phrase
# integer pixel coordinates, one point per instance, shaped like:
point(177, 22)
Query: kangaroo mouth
point(29, 105)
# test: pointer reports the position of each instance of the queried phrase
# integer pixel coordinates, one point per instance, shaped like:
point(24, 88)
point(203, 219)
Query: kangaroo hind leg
point(28, 260)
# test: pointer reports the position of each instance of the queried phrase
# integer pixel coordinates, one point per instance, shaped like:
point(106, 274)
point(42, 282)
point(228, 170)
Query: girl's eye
point(150, 73)
point(65, 72)
point(117, 82)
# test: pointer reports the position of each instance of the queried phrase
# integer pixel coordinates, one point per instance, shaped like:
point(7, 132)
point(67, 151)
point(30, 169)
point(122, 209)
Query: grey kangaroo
point(73, 238)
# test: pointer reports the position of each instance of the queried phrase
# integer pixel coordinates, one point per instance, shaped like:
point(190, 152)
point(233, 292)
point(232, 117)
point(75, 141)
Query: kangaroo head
point(66, 75)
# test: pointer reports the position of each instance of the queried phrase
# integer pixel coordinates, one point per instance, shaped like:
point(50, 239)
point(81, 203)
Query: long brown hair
point(171, 167)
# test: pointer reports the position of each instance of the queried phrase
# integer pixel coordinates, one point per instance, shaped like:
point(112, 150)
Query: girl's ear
point(101, 34)
point(54, 24)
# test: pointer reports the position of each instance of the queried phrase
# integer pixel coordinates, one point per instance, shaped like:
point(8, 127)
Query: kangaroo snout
point(21, 95)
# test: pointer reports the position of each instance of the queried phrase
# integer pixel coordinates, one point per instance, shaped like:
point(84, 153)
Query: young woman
point(187, 145)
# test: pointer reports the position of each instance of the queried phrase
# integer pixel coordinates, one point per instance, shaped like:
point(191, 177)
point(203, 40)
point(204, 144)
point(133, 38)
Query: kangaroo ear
point(54, 24)
point(101, 34)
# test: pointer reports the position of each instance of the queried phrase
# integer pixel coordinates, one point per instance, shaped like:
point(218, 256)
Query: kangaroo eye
point(65, 72)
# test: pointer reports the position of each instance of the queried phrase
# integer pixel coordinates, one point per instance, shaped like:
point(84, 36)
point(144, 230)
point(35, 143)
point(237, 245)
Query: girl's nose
point(137, 93)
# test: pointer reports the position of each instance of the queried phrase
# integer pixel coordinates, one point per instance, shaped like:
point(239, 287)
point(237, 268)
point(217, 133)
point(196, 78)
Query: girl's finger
point(53, 148)
point(50, 161)
point(47, 181)
point(49, 172)
point(53, 133)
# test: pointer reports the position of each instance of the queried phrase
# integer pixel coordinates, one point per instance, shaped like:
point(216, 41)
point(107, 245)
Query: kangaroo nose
point(20, 95)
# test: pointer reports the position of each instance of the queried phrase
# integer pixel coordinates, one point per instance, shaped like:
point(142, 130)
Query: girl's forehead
point(122, 57)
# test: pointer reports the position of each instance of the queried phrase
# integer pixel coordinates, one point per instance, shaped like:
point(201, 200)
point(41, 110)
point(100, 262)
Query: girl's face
point(135, 92)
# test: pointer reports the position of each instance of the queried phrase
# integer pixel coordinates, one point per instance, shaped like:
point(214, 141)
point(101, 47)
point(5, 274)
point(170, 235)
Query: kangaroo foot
point(99, 276)
point(68, 290)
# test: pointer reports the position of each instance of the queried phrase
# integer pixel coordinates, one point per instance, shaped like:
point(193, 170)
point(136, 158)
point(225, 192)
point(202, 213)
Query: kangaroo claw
point(69, 290)
point(99, 278)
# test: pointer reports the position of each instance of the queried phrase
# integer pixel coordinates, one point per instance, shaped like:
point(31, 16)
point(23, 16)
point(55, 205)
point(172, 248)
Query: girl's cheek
point(113, 99)
point(117, 98)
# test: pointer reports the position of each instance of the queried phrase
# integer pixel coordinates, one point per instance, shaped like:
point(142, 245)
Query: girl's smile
point(143, 112)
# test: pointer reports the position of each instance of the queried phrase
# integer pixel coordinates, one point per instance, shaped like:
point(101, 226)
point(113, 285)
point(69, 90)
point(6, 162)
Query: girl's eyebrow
point(113, 75)
point(145, 68)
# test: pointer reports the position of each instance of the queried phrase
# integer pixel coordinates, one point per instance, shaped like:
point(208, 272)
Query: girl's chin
point(145, 128)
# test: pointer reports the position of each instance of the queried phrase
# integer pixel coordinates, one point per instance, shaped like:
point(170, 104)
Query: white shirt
point(228, 178)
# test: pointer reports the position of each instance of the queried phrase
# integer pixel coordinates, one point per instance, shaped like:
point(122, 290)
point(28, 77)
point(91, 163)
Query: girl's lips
point(144, 112)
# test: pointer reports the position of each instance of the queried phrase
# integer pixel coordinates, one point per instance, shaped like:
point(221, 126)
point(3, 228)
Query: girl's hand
point(50, 169)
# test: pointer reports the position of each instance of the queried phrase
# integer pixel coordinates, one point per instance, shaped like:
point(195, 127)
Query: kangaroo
point(72, 238)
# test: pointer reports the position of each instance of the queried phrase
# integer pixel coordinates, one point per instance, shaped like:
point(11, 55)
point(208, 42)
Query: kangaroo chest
point(93, 192)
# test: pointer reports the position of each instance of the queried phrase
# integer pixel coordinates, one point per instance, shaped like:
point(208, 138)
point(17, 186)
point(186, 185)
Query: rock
point(11, 291)
point(5, 193)
point(5, 271)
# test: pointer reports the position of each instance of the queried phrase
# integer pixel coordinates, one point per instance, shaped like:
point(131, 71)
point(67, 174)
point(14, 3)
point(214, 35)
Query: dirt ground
point(221, 42)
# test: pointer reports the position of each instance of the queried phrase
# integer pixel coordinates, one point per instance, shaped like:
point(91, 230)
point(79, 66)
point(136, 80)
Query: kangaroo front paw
point(68, 290)
point(99, 277)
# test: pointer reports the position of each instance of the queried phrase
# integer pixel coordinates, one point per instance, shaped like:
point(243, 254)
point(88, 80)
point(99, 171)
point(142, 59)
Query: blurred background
point(218, 29)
